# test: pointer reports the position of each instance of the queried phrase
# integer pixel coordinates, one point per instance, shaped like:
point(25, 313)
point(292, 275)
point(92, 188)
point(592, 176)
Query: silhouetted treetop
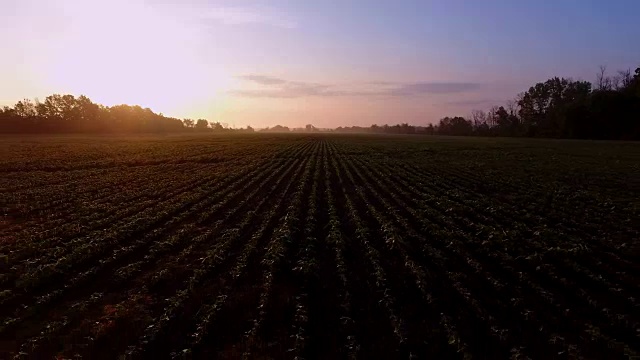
point(563, 108)
point(557, 108)
point(69, 114)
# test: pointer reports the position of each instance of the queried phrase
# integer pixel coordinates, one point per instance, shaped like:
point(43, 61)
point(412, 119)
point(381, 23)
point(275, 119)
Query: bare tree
point(478, 117)
point(603, 82)
point(600, 77)
point(513, 107)
point(492, 118)
point(615, 82)
point(625, 77)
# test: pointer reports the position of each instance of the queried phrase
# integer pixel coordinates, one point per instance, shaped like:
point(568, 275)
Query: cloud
point(262, 80)
point(472, 102)
point(286, 89)
point(433, 88)
point(273, 87)
point(242, 16)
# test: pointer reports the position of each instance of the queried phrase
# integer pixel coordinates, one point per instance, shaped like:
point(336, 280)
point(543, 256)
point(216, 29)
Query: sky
point(292, 62)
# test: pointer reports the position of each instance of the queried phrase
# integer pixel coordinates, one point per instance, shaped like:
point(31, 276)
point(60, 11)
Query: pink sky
point(263, 63)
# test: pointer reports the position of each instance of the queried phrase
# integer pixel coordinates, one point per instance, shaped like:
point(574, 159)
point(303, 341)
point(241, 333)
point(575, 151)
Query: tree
point(634, 86)
point(25, 109)
point(478, 117)
point(90, 114)
point(603, 82)
point(202, 124)
point(216, 126)
point(67, 113)
point(543, 106)
point(188, 123)
point(454, 126)
point(480, 124)
point(430, 130)
point(277, 128)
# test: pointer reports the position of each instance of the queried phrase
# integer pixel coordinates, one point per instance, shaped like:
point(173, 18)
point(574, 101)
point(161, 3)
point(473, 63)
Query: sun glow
point(123, 52)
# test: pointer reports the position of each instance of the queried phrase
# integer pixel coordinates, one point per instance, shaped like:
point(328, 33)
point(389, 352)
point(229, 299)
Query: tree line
point(556, 108)
point(564, 108)
point(70, 114)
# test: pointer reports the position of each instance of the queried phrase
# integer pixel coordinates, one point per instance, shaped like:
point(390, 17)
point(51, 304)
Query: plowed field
point(319, 247)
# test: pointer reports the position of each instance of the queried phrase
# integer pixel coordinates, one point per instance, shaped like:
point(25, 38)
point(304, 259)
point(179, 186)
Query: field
point(319, 247)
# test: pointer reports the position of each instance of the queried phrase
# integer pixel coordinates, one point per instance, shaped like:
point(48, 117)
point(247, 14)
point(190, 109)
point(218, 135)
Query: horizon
point(291, 64)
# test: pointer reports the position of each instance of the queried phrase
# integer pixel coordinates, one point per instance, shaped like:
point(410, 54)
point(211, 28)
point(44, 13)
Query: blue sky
point(293, 62)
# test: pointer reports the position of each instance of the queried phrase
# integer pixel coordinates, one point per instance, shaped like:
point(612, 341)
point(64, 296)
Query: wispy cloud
point(245, 15)
point(262, 80)
point(434, 88)
point(473, 102)
point(273, 87)
point(290, 90)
